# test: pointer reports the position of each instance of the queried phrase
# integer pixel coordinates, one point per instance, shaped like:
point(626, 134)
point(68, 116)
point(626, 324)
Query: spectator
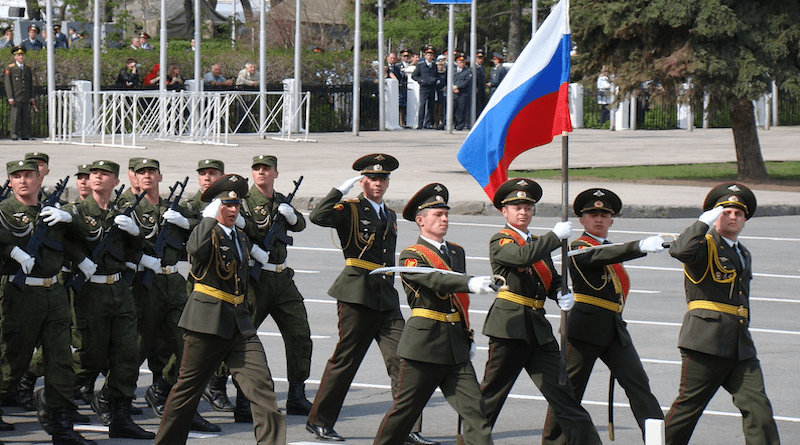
point(175, 78)
point(480, 81)
point(153, 76)
point(128, 77)
point(406, 68)
point(440, 96)
point(214, 77)
point(246, 77)
point(32, 42)
point(144, 42)
point(73, 35)
point(60, 39)
point(136, 43)
point(82, 41)
point(190, 49)
point(497, 73)
point(425, 75)
point(7, 41)
point(604, 95)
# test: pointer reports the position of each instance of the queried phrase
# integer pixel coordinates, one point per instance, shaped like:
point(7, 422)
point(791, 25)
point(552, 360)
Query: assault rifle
point(276, 232)
point(104, 246)
point(39, 237)
point(5, 190)
point(165, 236)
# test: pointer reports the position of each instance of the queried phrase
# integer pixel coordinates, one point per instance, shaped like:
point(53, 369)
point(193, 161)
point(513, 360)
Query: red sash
point(459, 299)
point(617, 271)
point(541, 268)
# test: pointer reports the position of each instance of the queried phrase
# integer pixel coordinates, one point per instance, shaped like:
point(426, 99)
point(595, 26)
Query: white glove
point(259, 254)
point(25, 261)
point(240, 223)
point(88, 267)
point(150, 262)
point(131, 266)
point(473, 349)
point(348, 185)
point(710, 216)
point(127, 224)
point(53, 216)
point(563, 229)
point(480, 285)
point(288, 212)
point(212, 209)
point(174, 217)
point(651, 244)
point(565, 301)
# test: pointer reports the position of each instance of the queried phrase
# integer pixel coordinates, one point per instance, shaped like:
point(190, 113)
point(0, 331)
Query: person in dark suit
point(520, 337)
point(436, 345)
point(217, 323)
point(497, 73)
point(33, 42)
point(462, 92)
point(716, 347)
point(425, 75)
point(368, 305)
point(596, 328)
point(480, 83)
point(19, 92)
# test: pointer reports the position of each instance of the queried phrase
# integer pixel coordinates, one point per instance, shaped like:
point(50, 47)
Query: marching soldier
point(716, 347)
point(368, 305)
point(129, 194)
point(217, 323)
point(105, 313)
point(596, 328)
point(19, 92)
point(38, 310)
point(208, 171)
point(520, 337)
point(82, 182)
point(436, 345)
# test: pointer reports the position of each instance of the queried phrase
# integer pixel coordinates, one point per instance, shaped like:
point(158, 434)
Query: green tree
point(731, 49)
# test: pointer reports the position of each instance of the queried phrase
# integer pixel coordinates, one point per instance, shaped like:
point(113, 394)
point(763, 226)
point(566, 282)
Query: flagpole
point(562, 374)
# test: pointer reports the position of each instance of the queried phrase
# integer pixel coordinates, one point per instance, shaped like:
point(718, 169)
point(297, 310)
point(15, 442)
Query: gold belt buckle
point(452, 317)
point(741, 311)
point(165, 270)
point(109, 279)
point(47, 282)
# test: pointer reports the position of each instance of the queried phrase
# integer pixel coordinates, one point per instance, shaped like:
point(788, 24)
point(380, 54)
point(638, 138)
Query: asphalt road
point(654, 312)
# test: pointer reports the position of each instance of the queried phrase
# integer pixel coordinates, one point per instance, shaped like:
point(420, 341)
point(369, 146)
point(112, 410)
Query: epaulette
point(351, 201)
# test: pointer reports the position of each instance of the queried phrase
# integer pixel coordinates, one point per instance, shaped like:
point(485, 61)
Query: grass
point(788, 171)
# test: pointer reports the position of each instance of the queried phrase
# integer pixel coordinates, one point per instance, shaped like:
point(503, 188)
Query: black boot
point(64, 434)
point(25, 391)
point(85, 392)
point(101, 404)
point(135, 410)
point(43, 413)
point(122, 425)
point(156, 395)
point(242, 412)
point(203, 425)
point(296, 402)
point(216, 393)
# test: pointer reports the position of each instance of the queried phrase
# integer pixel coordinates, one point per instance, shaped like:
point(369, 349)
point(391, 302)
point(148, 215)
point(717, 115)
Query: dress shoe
point(203, 425)
point(323, 432)
point(296, 402)
point(416, 439)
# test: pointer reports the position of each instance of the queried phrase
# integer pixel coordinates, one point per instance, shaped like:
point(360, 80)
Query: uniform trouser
point(32, 316)
point(507, 358)
point(358, 327)
point(624, 363)
point(461, 106)
point(275, 294)
point(106, 320)
point(248, 364)
point(20, 121)
point(37, 361)
point(418, 381)
point(425, 107)
point(701, 376)
point(159, 310)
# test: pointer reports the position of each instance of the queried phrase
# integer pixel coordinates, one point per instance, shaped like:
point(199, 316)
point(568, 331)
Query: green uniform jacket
point(428, 340)
point(363, 236)
point(19, 83)
point(514, 321)
point(214, 263)
point(18, 224)
point(92, 225)
point(724, 281)
point(259, 212)
point(148, 217)
point(592, 324)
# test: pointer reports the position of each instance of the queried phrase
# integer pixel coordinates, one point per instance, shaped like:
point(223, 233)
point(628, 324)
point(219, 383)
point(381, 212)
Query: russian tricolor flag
point(529, 108)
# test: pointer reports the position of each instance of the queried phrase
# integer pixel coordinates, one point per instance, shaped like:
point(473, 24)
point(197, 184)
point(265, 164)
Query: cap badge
point(21, 162)
point(380, 158)
point(599, 203)
point(99, 163)
point(734, 188)
point(377, 167)
point(233, 179)
point(599, 193)
point(521, 194)
point(733, 198)
point(439, 198)
point(522, 183)
point(232, 194)
point(438, 188)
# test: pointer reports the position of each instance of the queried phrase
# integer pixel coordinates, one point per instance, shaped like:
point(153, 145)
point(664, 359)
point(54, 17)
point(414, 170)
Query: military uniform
point(717, 349)
point(19, 86)
point(219, 327)
point(435, 345)
point(462, 79)
point(426, 75)
point(520, 337)
point(496, 74)
point(596, 328)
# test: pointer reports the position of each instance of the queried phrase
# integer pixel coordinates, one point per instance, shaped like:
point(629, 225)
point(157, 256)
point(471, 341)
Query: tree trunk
point(514, 27)
point(745, 137)
point(34, 13)
point(248, 11)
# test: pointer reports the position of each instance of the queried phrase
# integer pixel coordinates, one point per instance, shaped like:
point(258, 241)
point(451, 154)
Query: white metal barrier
point(130, 118)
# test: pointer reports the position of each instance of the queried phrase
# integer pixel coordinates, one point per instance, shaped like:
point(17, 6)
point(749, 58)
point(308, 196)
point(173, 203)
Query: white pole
point(262, 66)
point(51, 73)
point(534, 17)
point(473, 44)
point(162, 52)
point(96, 78)
point(357, 69)
point(233, 25)
point(380, 74)
point(198, 75)
point(298, 46)
point(774, 103)
point(450, 33)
